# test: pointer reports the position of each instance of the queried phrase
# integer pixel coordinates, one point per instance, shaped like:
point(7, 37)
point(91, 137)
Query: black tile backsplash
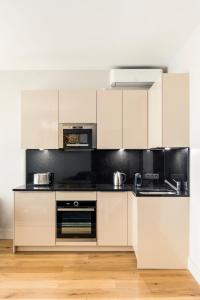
point(105, 162)
point(153, 162)
point(177, 164)
point(66, 165)
point(98, 166)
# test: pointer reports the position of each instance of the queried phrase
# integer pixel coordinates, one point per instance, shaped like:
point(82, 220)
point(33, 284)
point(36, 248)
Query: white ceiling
point(93, 34)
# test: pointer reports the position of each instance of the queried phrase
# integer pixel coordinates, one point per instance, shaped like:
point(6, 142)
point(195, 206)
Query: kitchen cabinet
point(76, 196)
point(77, 106)
point(109, 119)
point(135, 224)
point(134, 119)
point(122, 119)
point(39, 117)
point(112, 219)
point(132, 220)
point(34, 219)
point(168, 111)
point(162, 232)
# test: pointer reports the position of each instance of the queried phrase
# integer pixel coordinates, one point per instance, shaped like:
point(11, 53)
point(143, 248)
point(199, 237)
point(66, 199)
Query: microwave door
point(77, 138)
point(82, 136)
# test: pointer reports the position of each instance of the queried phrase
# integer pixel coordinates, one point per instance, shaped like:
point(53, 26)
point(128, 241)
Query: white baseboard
point(194, 270)
point(6, 234)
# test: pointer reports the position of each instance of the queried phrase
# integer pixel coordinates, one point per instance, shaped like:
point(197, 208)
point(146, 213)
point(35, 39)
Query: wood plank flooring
point(81, 276)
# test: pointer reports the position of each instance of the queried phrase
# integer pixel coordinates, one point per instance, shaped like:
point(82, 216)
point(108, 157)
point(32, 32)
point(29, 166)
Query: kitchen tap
point(176, 188)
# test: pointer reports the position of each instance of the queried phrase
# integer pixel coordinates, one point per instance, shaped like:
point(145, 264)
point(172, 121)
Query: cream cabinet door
point(131, 220)
point(112, 219)
point(135, 224)
point(175, 110)
point(163, 232)
point(77, 106)
point(168, 111)
point(34, 219)
point(39, 117)
point(155, 132)
point(109, 119)
point(134, 119)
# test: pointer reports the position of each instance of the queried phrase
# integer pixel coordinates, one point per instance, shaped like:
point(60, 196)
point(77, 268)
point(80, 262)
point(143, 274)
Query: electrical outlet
point(152, 176)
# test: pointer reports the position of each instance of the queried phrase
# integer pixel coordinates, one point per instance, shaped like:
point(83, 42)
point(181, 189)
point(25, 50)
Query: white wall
point(12, 158)
point(188, 60)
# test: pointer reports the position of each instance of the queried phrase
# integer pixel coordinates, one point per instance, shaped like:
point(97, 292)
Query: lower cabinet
point(34, 219)
point(112, 219)
point(155, 227)
point(162, 232)
point(132, 221)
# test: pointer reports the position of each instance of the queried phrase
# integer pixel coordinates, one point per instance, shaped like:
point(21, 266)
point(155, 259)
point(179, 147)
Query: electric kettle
point(119, 178)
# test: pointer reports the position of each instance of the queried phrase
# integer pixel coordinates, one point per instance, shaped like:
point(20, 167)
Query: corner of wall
point(194, 270)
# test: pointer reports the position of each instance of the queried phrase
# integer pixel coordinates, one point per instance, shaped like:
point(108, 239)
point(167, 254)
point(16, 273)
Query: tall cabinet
point(168, 111)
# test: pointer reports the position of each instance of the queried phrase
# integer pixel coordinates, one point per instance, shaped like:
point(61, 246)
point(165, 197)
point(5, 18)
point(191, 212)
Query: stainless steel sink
point(157, 193)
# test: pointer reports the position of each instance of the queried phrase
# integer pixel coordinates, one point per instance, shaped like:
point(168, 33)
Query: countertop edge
point(126, 188)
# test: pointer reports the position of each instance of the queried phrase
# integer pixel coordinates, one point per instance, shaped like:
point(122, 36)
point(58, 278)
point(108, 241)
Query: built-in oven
point(76, 220)
point(82, 136)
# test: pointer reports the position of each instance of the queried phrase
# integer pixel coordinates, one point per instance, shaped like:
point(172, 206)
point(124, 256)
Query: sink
point(157, 193)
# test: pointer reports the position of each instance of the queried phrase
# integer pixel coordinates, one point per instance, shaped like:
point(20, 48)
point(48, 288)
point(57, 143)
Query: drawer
point(76, 196)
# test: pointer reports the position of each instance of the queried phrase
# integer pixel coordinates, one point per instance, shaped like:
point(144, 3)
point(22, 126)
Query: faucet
point(176, 188)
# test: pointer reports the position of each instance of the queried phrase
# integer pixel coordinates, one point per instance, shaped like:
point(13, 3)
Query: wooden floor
point(88, 276)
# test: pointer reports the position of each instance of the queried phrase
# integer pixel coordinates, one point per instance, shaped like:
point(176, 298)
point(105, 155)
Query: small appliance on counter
point(43, 178)
point(119, 178)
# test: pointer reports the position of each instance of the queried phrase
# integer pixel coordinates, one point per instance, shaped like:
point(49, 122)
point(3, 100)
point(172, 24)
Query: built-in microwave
point(81, 136)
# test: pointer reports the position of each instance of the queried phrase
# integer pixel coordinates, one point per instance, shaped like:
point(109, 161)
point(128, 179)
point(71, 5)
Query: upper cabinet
point(77, 106)
point(109, 119)
point(168, 111)
point(129, 119)
point(122, 119)
point(134, 119)
point(39, 115)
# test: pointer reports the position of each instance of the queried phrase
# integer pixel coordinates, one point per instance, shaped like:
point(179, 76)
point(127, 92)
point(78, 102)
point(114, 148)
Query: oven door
point(76, 223)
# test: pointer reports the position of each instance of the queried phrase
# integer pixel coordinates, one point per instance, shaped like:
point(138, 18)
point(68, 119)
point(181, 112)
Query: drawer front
point(76, 196)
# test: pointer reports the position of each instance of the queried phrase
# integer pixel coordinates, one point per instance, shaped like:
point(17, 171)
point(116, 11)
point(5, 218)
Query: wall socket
point(152, 176)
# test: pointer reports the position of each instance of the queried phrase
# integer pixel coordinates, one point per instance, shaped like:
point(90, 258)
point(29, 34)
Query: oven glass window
point(76, 223)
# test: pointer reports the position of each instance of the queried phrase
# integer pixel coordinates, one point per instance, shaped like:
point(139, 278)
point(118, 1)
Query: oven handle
point(75, 209)
point(77, 145)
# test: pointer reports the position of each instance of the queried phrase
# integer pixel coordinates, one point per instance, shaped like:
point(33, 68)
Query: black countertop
point(75, 187)
point(103, 188)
